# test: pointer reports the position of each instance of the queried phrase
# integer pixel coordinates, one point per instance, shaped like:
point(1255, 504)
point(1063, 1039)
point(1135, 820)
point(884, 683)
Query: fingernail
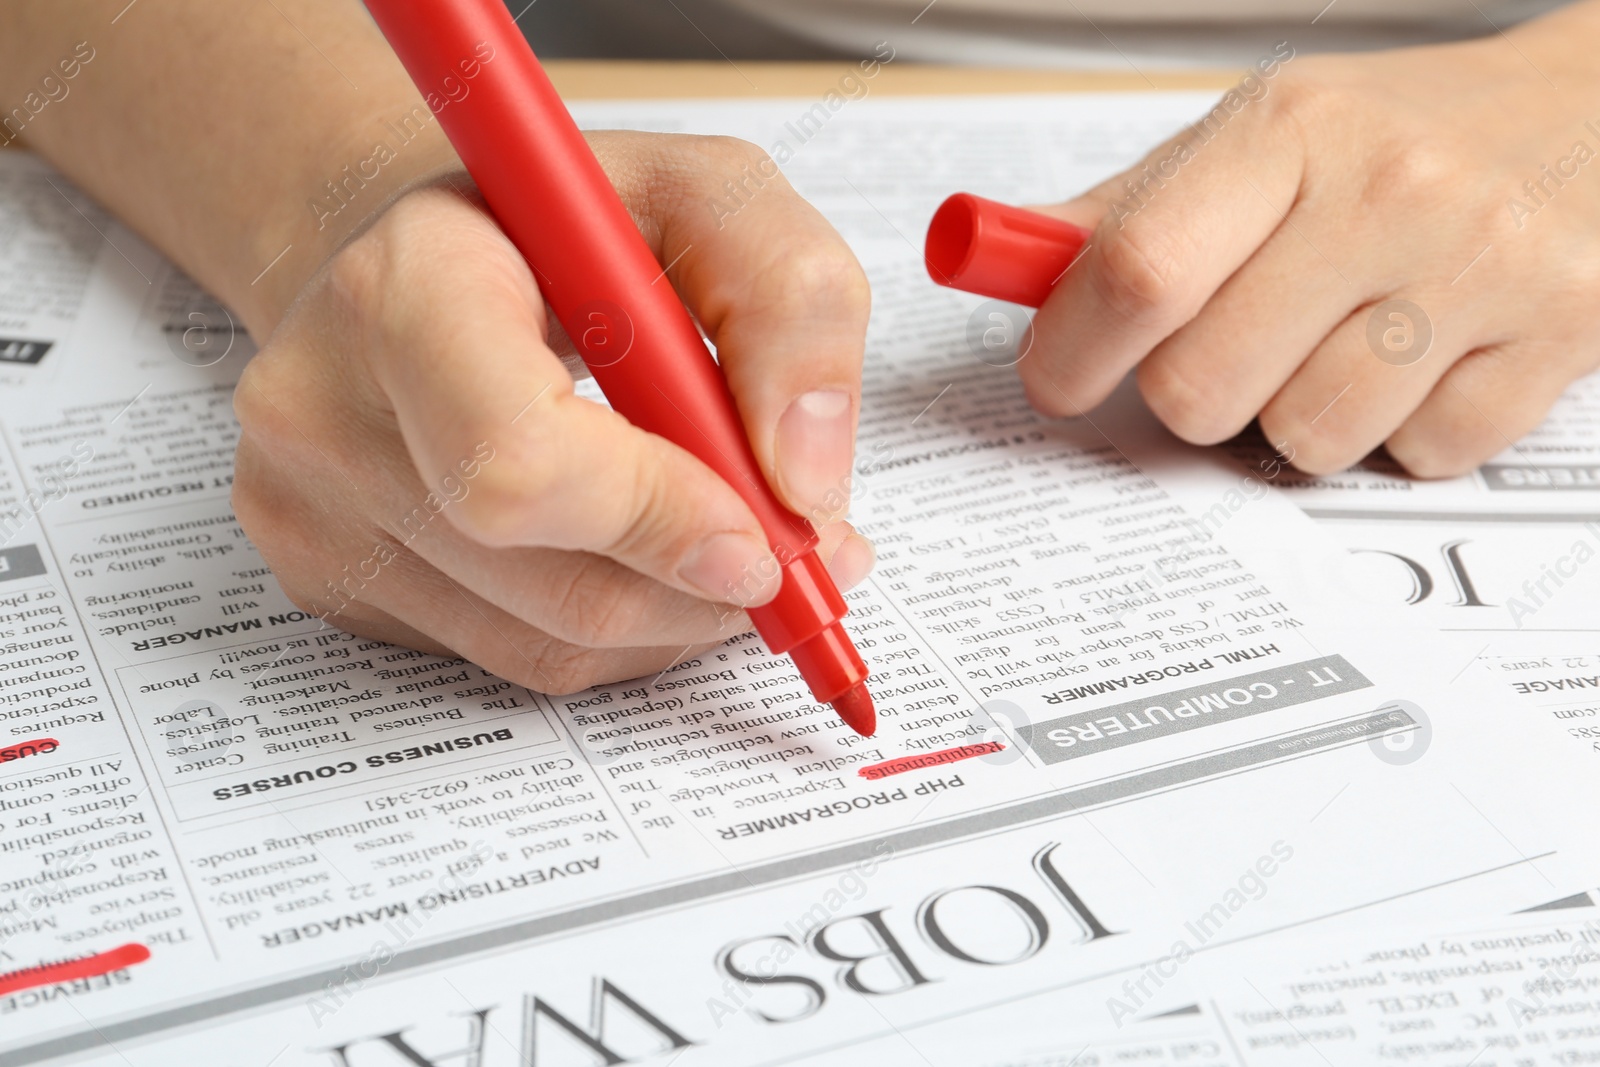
point(852, 561)
point(815, 448)
point(734, 568)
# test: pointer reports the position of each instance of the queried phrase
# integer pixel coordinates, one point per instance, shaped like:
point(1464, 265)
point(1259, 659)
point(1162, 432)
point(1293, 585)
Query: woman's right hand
point(416, 467)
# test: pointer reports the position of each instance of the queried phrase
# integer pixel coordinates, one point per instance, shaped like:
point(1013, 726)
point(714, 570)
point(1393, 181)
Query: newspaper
point(1122, 709)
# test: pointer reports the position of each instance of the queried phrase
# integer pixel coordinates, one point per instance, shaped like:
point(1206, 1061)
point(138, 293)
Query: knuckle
point(1314, 449)
point(1196, 412)
point(676, 168)
point(269, 383)
point(595, 609)
point(269, 525)
point(308, 603)
point(1580, 269)
point(420, 217)
point(734, 151)
point(820, 279)
point(250, 407)
point(1481, 218)
point(375, 278)
point(1139, 275)
point(282, 545)
point(259, 520)
point(1320, 458)
point(826, 279)
point(502, 508)
point(1303, 102)
point(1442, 452)
point(1296, 94)
point(1409, 171)
point(562, 668)
point(357, 276)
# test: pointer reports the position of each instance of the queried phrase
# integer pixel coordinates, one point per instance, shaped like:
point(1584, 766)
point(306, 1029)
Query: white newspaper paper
point(1127, 703)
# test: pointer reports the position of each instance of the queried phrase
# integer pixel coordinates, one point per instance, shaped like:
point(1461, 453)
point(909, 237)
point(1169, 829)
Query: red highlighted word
point(874, 771)
point(72, 970)
point(37, 747)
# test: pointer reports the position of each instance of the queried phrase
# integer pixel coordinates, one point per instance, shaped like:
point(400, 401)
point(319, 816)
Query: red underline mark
point(72, 970)
point(37, 747)
point(902, 764)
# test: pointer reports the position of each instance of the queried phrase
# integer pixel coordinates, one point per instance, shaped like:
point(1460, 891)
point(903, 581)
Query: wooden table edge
point(604, 79)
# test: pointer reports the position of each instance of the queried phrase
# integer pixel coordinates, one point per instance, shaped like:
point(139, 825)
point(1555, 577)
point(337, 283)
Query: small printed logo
point(1000, 721)
point(1400, 746)
point(999, 334)
point(1399, 332)
point(202, 334)
point(602, 333)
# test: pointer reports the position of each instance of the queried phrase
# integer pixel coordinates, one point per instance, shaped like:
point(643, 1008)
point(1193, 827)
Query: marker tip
point(855, 708)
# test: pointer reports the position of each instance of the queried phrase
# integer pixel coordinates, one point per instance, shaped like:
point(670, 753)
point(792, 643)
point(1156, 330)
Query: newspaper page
point(1115, 713)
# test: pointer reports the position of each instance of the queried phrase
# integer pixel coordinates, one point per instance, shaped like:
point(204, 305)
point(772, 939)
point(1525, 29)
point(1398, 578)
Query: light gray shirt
point(1131, 33)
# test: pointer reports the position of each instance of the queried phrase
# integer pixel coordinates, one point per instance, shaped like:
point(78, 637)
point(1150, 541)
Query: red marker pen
point(555, 203)
point(997, 250)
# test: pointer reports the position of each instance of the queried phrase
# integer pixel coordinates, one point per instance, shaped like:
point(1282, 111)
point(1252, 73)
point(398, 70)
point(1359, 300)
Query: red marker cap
point(993, 249)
